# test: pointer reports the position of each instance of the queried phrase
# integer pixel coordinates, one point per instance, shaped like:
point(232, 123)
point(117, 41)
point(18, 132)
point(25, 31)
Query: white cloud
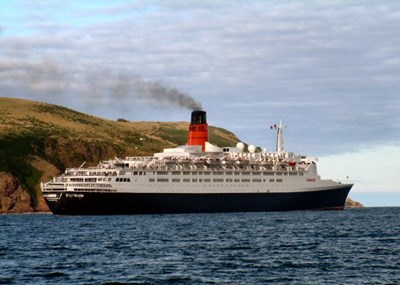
point(330, 69)
point(372, 170)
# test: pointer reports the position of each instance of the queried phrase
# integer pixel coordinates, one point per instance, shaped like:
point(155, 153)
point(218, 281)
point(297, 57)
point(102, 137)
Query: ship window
point(279, 180)
point(207, 180)
point(301, 173)
point(186, 173)
point(293, 173)
point(194, 173)
point(229, 180)
point(162, 179)
point(228, 173)
point(200, 180)
point(237, 173)
point(109, 179)
point(162, 172)
point(206, 173)
point(135, 173)
point(268, 173)
point(245, 180)
point(128, 180)
point(176, 180)
point(272, 180)
point(256, 173)
point(237, 180)
point(278, 173)
point(117, 179)
point(218, 180)
point(194, 180)
point(122, 172)
point(151, 180)
point(176, 172)
point(186, 180)
point(245, 173)
point(256, 180)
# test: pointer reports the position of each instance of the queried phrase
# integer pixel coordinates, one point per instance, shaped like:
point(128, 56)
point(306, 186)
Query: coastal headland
point(39, 141)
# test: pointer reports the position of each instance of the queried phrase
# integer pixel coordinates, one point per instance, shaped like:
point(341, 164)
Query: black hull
point(156, 203)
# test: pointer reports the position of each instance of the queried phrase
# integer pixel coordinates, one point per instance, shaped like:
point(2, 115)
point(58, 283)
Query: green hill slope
point(39, 140)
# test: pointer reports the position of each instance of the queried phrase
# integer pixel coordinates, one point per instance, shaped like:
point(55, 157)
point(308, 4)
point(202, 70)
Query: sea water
point(354, 246)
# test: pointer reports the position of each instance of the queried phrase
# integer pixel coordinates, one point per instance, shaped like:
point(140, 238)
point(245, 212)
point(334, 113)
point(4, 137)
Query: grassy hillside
point(39, 140)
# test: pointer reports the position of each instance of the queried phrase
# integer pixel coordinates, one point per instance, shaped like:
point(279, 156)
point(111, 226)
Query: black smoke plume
point(46, 79)
point(161, 93)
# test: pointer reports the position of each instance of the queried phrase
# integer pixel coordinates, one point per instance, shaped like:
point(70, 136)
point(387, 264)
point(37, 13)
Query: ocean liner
point(196, 178)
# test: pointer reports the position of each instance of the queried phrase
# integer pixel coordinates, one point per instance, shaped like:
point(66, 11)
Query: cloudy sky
point(329, 69)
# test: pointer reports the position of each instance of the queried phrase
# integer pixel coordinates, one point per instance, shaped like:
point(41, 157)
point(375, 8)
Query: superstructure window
point(120, 179)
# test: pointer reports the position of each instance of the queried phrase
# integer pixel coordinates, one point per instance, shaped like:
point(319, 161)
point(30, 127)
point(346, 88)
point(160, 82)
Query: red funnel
point(198, 129)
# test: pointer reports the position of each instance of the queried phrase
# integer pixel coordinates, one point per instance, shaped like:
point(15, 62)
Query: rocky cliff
point(353, 204)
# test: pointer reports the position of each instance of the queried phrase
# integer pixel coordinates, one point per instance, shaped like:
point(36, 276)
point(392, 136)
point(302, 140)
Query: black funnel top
point(199, 117)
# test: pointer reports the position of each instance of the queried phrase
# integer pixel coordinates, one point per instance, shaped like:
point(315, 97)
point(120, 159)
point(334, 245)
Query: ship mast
point(279, 137)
